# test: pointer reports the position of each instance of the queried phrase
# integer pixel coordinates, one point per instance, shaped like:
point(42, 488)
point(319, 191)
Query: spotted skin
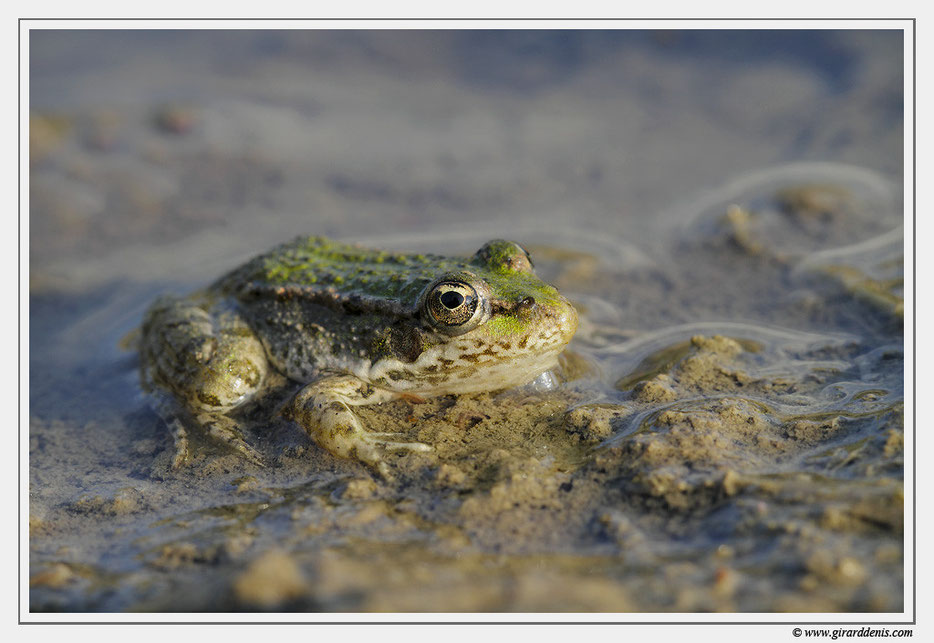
point(327, 405)
point(356, 327)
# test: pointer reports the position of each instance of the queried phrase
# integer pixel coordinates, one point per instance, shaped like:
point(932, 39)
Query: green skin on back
point(319, 263)
point(357, 326)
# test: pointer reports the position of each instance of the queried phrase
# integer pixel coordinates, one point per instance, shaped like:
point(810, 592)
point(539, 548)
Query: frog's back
point(317, 266)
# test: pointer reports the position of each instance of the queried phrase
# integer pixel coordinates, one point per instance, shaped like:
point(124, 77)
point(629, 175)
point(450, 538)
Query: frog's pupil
point(452, 299)
point(452, 305)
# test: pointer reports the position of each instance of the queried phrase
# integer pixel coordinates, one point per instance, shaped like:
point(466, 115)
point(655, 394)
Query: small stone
point(37, 525)
point(851, 570)
point(369, 513)
point(359, 489)
point(654, 390)
point(593, 423)
point(270, 580)
point(449, 476)
point(56, 575)
point(176, 555)
point(725, 582)
point(127, 500)
point(731, 483)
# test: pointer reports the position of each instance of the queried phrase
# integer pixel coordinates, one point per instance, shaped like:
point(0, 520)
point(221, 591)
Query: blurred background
point(235, 140)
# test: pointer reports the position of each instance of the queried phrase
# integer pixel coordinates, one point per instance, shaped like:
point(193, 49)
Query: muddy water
point(726, 431)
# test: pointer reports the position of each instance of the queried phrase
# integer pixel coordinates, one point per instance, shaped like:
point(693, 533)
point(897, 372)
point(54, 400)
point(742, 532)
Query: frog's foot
point(323, 408)
point(171, 413)
point(226, 431)
point(180, 442)
point(218, 427)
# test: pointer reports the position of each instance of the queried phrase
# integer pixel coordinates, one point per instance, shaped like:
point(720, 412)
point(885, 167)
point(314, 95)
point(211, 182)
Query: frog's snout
point(559, 315)
point(566, 318)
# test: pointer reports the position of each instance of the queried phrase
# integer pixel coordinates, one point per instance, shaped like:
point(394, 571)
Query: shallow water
point(725, 213)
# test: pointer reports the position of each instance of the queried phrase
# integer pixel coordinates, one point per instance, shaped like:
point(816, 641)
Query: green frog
point(354, 326)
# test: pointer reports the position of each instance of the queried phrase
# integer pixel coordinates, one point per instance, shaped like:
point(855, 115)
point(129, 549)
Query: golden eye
point(453, 306)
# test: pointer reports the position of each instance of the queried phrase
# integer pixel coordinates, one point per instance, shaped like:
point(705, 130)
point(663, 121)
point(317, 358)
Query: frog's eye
point(454, 306)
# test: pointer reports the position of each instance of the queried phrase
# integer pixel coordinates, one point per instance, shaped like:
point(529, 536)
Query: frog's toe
point(179, 459)
point(250, 453)
point(383, 470)
point(370, 449)
point(385, 441)
point(180, 444)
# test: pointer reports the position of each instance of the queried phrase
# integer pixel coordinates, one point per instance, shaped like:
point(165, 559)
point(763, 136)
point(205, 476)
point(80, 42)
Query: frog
point(348, 326)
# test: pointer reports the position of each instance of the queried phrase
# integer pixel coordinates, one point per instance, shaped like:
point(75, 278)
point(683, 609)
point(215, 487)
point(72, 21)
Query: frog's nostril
point(526, 302)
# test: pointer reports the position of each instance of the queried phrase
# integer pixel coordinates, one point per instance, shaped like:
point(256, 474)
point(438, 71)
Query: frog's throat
point(463, 366)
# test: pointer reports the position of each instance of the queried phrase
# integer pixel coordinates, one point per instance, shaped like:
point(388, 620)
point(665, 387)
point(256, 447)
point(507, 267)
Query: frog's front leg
point(323, 408)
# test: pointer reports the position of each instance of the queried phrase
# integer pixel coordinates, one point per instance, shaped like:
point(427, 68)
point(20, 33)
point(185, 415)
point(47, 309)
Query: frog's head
point(501, 297)
point(492, 324)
